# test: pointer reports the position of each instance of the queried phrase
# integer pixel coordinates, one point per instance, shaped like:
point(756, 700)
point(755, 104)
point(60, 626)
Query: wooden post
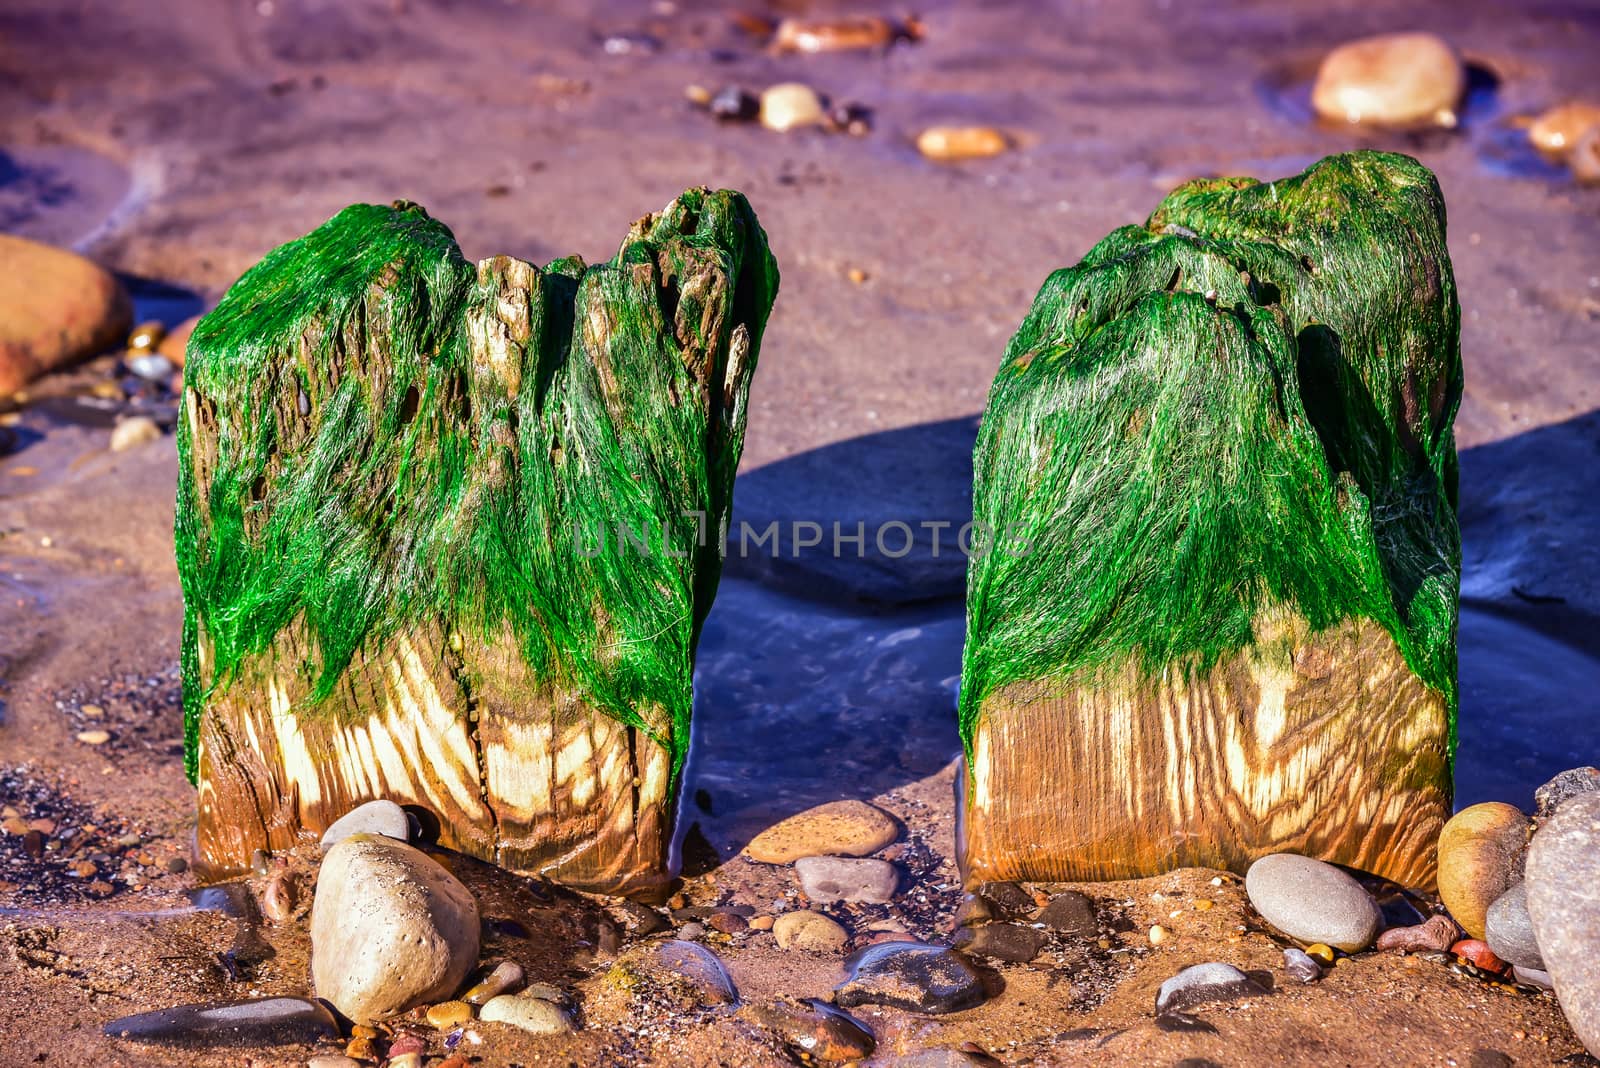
point(1216, 613)
point(447, 534)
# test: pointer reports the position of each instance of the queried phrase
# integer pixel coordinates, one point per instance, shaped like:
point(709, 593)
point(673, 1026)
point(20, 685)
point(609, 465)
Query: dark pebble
point(816, 1030)
point(910, 975)
point(1009, 899)
point(734, 104)
point(1002, 941)
point(638, 920)
point(1300, 966)
point(1489, 1058)
point(974, 910)
point(1203, 983)
point(1072, 914)
point(252, 1022)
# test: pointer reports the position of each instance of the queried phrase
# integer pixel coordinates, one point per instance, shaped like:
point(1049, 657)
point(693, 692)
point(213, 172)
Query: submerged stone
point(910, 975)
point(250, 1022)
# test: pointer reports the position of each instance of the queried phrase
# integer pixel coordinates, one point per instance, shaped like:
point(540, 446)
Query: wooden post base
point(1323, 744)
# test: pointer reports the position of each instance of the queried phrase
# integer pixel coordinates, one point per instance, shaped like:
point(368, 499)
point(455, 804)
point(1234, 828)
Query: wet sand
point(178, 145)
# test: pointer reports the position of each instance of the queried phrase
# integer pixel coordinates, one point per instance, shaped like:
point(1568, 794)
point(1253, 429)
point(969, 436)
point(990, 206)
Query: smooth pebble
point(1312, 901)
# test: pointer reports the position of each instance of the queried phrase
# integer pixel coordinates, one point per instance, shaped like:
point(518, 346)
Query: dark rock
point(1009, 899)
point(1002, 941)
point(910, 975)
point(251, 1022)
point(1489, 1058)
point(1569, 783)
point(1072, 914)
point(1203, 983)
point(974, 910)
point(638, 920)
point(684, 974)
point(816, 1029)
point(1437, 935)
point(1509, 929)
point(733, 104)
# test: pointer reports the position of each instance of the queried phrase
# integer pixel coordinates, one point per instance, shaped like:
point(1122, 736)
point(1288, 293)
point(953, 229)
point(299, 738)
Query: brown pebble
point(101, 888)
point(1392, 79)
point(95, 737)
point(176, 865)
point(449, 1014)
point(858, 276)
point(948, 144)
point(1558, 130)
point(761, 923)
point(726, 922)
point(1585, 157)
point(1437, 935)
point(843, 34)
point(83, 869)
point(146, 336)
point(278, 901)
point(15, 825)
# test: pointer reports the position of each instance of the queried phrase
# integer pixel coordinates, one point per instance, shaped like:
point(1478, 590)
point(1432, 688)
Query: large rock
point(839, 828)
point(1481, 853)
point(1563, 879)
point(1393, 79)
point(1313, 902)
point(1508, 929)
point(1214, 614)
point(55, 307)
point(847, 879)
point(390, 929)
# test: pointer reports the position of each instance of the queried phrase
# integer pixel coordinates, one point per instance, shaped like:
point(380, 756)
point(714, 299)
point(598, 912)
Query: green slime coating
point(1243, 405)
point(372, 470)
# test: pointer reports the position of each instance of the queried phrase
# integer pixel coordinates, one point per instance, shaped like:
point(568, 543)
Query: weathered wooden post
point(1217, 614)
point(447, 534)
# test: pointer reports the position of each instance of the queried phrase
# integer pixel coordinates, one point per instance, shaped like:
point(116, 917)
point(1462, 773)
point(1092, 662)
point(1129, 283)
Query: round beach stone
point(1564, 906)
point(534, 1015)
point(1199, 984)
point(374, 817)
point(1556, 131)
point(1481, 851)
point(1312, 901)
point(390, 929)
point(790, 105)
point(838, 828)
point(1393, 79)
point(847, 879)
point(1509, 930)
point(808, 930)
point(55, 308)
point(948, 144)
point(132, 432)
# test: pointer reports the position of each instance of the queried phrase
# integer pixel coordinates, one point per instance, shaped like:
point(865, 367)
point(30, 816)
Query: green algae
point(381, 441)
point(1242, 406)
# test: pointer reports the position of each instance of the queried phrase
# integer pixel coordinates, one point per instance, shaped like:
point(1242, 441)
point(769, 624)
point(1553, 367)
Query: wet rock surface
point(816, 1029)
point(912, 976)
point(681, 973)
point(847, 879)
point(838, 828)
point(1001, 941)
point(249, 1022)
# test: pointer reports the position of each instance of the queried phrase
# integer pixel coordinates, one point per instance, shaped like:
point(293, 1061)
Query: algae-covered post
point(1217, 615)
point(397, 474)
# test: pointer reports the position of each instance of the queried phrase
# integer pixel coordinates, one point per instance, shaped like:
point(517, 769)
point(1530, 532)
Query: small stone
point(332, 1060)
point(1311, 901)
point(390, 929)
point(639, 920)
point(151, 366)
point(692, 932)
point(949, 144)
point(1072, 914)
point(1300, 966)
point(1533, 977)
point(911, 976)
point(762, 923)
point(1203, 983)
point(503, 977)
point(1584, 161)
point(1008, 899)
point(790, 105)
point(1393, 79)
point(95, 737)
point(839, 34)
point(1322, 954)
point(1481, 853)
point(449, 1014)
point(733, 104)
point(250, 1022)
point(534, 1015)
point(85, 869)
point(815, 1029)
point(1477, 952)
point(1001, 941)
point(1557, 131)
point(544, 992)
point(974, 911)
point(728, 923)
point(130, 433)
point(1489, 1058)
point(1508, 929)
point(838, 828)
point(92, 711)
point(175, 865)
point(1158, 935)
point(698, 95)
point(55, 308)
point(847, 879)
point(280, 897)
point(146, 336)
point(1436, 935)
point(174, 346)
point(15, 825)
point(375, 817)
point(810, 931)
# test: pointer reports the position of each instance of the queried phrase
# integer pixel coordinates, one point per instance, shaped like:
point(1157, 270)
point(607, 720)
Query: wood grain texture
point(1320, 744)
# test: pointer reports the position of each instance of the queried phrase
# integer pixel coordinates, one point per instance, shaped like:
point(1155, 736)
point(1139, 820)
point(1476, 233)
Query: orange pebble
point(1479, 953)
